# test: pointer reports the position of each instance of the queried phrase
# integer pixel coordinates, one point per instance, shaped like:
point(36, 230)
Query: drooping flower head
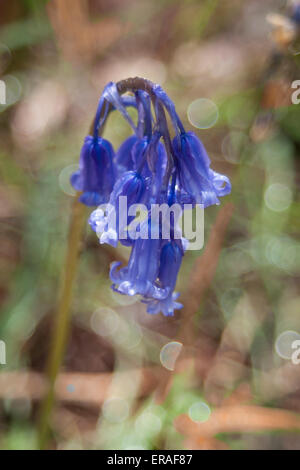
point(149, 169)
point(96, 174)
point(195, 176)
point(97, 171)
point(139, 277)
point(131, 185)
point(124, 158)
point(170, 262)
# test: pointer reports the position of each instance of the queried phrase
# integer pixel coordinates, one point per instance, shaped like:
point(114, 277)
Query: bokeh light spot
point(13, 91)
point(203, 113)
point(104, 321)
point(199, 412)
point(169, 354)
point(284, 344)
point(283, 252)
point(233, 146)
point(64, 179)
point(278, 197)
point(124, 300)
point(129, 335)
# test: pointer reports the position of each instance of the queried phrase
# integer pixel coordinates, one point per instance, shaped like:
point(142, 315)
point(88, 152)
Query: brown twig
point(85, 388)
point(239, 418)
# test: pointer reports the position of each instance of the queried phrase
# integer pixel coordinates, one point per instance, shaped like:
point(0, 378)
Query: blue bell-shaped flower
point(138, 278)
point(124, 159)
point(194, 173)
point(170, 262)
point(114, 221)
point(96, 175)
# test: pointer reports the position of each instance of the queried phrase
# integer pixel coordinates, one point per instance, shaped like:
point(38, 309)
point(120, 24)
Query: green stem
point(62, 319)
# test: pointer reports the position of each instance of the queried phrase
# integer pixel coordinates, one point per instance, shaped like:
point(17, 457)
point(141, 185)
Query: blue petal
point(124, 160)
point(90, 198)
point(141, 273)
point(131, 185)
point(165, 306)
point(96, 175)
point(196, 178)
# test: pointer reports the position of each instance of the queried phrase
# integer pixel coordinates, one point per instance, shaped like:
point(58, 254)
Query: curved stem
point(62, 321)
point(137, 83)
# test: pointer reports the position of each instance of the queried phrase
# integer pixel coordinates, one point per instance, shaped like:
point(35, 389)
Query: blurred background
point(224, 372)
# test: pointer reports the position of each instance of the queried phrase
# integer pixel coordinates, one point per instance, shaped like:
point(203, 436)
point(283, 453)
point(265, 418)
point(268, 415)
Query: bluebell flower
point(170, 262)
point(148, 168)
point(194, 173)
point(124, 158)
point(139, 153)
point(96, 174)
point(138, 278)
point(150, 156)
point(184, 198)
point(156, 158)
point(132, 185)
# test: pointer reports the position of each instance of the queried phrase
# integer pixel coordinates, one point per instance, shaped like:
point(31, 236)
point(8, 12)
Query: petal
point(123, 159)
point(90, 199)
point(110, 237)
point(166, 306)
point(76, 181)
point(115, 275)
point(218, 182)
point(97, 220)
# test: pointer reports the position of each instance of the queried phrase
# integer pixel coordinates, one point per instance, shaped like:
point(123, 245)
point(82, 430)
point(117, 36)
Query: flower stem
point(62, 319)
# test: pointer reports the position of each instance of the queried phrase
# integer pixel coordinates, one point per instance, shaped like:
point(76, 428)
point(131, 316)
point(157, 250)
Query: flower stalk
point(62, 321)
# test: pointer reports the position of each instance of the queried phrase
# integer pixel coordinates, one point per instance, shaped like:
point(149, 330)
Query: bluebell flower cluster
point(150, 167)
